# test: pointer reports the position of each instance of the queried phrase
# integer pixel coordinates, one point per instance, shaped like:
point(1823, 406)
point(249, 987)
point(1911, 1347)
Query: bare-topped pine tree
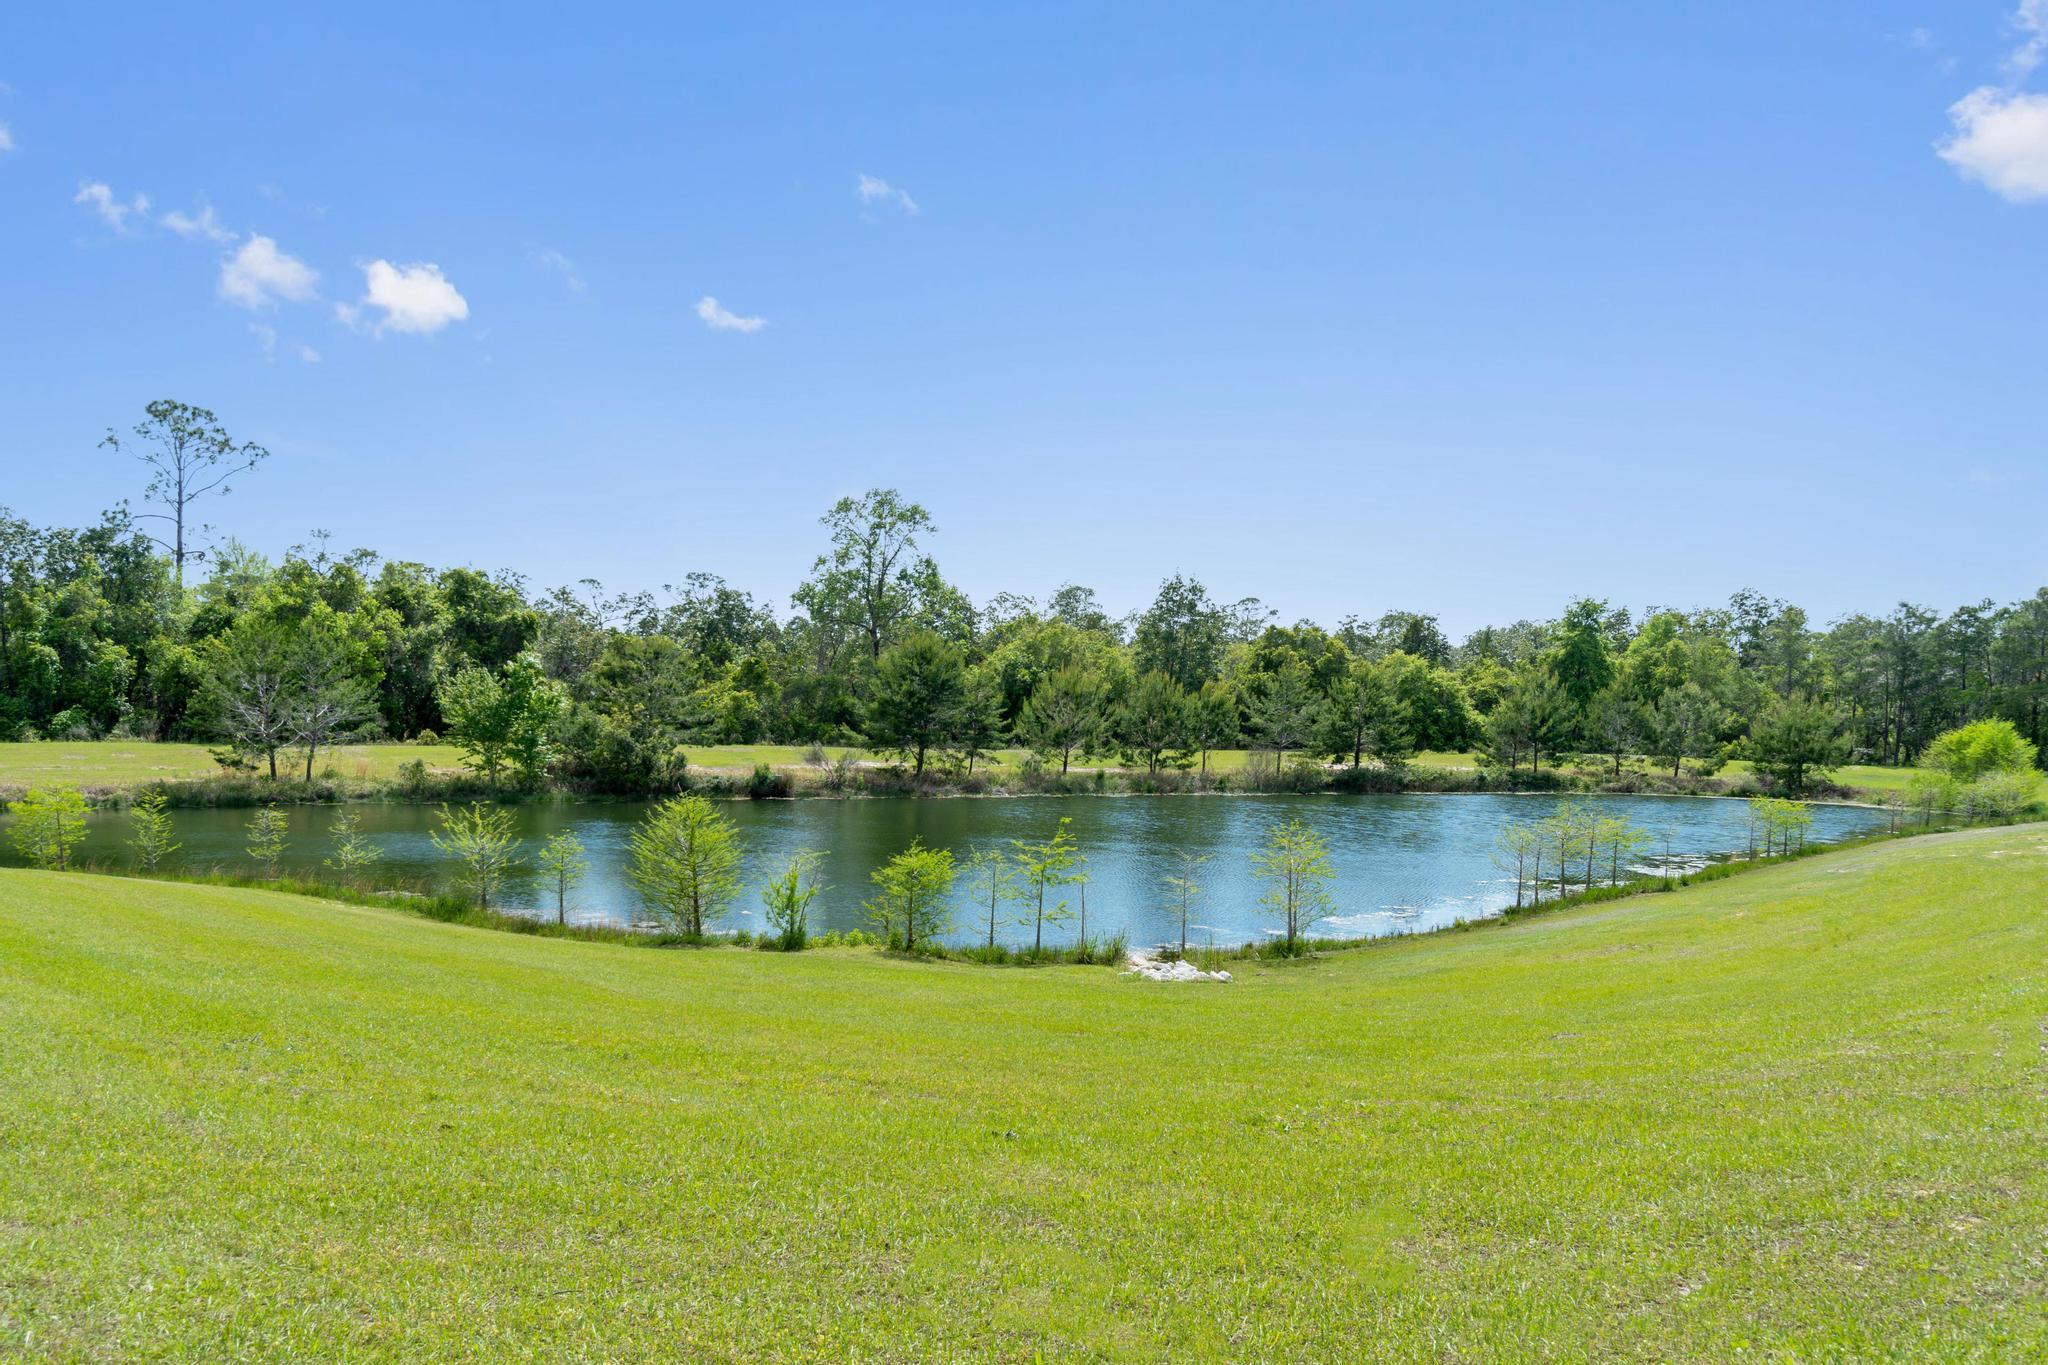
point(190, 455)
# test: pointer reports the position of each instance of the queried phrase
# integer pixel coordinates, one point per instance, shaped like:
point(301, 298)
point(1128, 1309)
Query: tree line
point(106, 630)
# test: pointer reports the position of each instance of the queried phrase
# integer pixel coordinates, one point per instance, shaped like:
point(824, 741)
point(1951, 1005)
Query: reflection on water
point(1403, 862)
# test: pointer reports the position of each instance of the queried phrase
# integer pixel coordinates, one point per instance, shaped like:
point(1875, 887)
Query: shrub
point(412, 775)
point(70, 723)
point(2002, 795)
point(1979, 749)
point(787, 898)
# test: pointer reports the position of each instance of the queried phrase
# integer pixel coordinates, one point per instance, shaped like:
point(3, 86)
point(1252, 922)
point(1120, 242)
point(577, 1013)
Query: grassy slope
point(1801, 1109)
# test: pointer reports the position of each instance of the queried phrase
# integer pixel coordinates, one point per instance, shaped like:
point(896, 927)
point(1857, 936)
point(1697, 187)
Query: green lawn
point(113, 763)
point(1793, 1113)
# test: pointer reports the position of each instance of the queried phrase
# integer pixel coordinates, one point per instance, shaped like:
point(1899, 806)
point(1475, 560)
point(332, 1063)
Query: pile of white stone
point(1155, 968)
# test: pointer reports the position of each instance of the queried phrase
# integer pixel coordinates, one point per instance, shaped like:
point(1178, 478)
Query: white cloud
point(266, 334)
point(259, 275)
point(2001, 140)
point(413, 298)
point(555, 260)
point(203, 224)
point(112, 211)
point(721, 319)
point(6, 138)
point(873, 190)
point(308, 354)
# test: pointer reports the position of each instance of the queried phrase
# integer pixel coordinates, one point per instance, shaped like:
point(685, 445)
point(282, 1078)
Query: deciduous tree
point(686, 861)
point(1295, 864)
point(481, 838)
point(910, 900)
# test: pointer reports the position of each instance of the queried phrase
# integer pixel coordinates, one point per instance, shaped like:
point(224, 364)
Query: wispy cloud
point(266, 335)
point(875, 190)
point(202, 224)
point(562, 265)
point(2030, 20)
point(721, 319)
point(99, 197)
point(261, 276)
point(6, 138)
point(412, 298)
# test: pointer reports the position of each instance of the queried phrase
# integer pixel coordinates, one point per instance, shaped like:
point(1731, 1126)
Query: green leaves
point(504, 720)
point(910, 901)
point(1295, 863)
point(481, 838)
point(48, 824)
point(686, 862)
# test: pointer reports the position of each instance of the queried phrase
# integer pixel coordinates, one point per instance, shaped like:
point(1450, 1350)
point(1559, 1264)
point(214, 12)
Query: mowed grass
point(1793, 1113)
point(111, 764)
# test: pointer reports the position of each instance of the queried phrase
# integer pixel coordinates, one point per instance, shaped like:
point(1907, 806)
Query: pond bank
point(776, 784)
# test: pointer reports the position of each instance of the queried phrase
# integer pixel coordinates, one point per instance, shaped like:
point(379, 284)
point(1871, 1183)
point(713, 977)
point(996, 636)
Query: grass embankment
point(1797, 1112)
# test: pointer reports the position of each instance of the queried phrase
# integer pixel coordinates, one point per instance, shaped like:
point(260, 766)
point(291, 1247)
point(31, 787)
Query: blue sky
point(1464, 308)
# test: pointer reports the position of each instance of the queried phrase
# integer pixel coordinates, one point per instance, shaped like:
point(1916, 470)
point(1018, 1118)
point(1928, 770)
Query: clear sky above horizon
point(1467, 309)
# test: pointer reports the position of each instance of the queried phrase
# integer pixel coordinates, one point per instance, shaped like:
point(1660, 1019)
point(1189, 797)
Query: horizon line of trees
point(105, 631)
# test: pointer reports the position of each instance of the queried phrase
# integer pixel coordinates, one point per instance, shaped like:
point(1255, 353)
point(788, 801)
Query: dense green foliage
point(1793, 1114)
point(611, 693)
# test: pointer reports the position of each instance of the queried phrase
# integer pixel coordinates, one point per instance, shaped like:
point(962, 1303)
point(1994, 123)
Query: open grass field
point(1793, 1113)
point(112, 763)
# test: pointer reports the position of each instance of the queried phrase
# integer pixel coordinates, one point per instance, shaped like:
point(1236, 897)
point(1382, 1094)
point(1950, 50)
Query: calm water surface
point(1403, 862)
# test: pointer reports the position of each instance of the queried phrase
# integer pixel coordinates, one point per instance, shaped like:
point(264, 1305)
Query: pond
point(1403, 863)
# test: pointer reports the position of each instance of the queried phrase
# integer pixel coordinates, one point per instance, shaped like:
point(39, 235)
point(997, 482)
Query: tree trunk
point(273, 765)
